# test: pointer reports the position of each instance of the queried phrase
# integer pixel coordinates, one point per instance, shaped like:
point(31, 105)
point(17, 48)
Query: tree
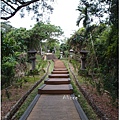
point(114, 16)
point(101, 39)
point(43, 32)
point(5, 27)
point(10, 7)
point(11, 47)
point(63, 47)
point(94, 10)
point(77, 40)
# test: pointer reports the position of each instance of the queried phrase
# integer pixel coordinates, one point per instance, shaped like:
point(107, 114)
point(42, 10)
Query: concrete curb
point(30, 107)
point(79, 109)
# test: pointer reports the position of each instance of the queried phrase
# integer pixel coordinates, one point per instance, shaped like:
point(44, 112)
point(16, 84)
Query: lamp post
point(32, 58)
point(83, 59)
point(71, 53)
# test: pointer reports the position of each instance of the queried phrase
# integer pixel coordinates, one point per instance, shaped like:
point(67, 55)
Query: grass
point(81, 99)
point(75, 64)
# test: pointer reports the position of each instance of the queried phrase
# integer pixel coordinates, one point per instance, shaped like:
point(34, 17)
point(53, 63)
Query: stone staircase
point(58, 81)
point(55, 99)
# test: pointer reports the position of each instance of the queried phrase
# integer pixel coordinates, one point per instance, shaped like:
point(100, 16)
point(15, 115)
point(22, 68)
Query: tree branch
point(21, 2)
point(5, 11)
point(18, 8)
point(9, 5)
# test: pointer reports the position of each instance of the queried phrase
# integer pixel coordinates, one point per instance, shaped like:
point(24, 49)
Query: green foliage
point(82, 72)
point(57, 54)
point(14, 46)
point(7, 71)
point(102, 61)
point(8, 46)
point(66, 53)
point(111, 84)
point(42, 32)
point(41, 64)
point(114, 17)
point(5, 27)
point(39, 67)
point(77, 40)
point(20, 36)
point(63, 47)
point(92, 10)
point(75, 64)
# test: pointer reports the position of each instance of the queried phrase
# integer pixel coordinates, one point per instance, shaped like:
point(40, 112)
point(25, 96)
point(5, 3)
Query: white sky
point(64, 15)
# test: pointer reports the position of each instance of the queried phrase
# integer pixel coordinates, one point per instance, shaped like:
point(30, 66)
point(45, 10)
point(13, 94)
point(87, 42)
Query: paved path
point(54, 107)
point(55, 99)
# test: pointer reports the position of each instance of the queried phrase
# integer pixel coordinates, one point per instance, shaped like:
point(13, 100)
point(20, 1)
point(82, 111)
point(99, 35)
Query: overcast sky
point(64, 15)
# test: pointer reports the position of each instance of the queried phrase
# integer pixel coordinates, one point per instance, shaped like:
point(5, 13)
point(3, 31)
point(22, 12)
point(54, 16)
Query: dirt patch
point(14, 95)
point(103, 102)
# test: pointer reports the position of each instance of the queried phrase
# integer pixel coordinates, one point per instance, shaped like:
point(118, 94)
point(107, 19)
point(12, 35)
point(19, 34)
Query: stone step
point(56, 89)
point(56, 81)
point(58, 76)
point(59, 72)
point(60, 69)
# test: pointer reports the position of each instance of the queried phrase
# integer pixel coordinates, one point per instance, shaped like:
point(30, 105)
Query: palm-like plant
point(83, 9)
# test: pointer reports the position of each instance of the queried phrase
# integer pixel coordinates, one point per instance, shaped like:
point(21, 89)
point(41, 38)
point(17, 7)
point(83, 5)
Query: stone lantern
point(83, 59)
point(48, 51)
point(32, 58)
point(61, 55)
point(71, 53)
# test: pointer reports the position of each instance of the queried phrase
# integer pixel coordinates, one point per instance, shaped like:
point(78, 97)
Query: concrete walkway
point(55, 99)
point(54, 107)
